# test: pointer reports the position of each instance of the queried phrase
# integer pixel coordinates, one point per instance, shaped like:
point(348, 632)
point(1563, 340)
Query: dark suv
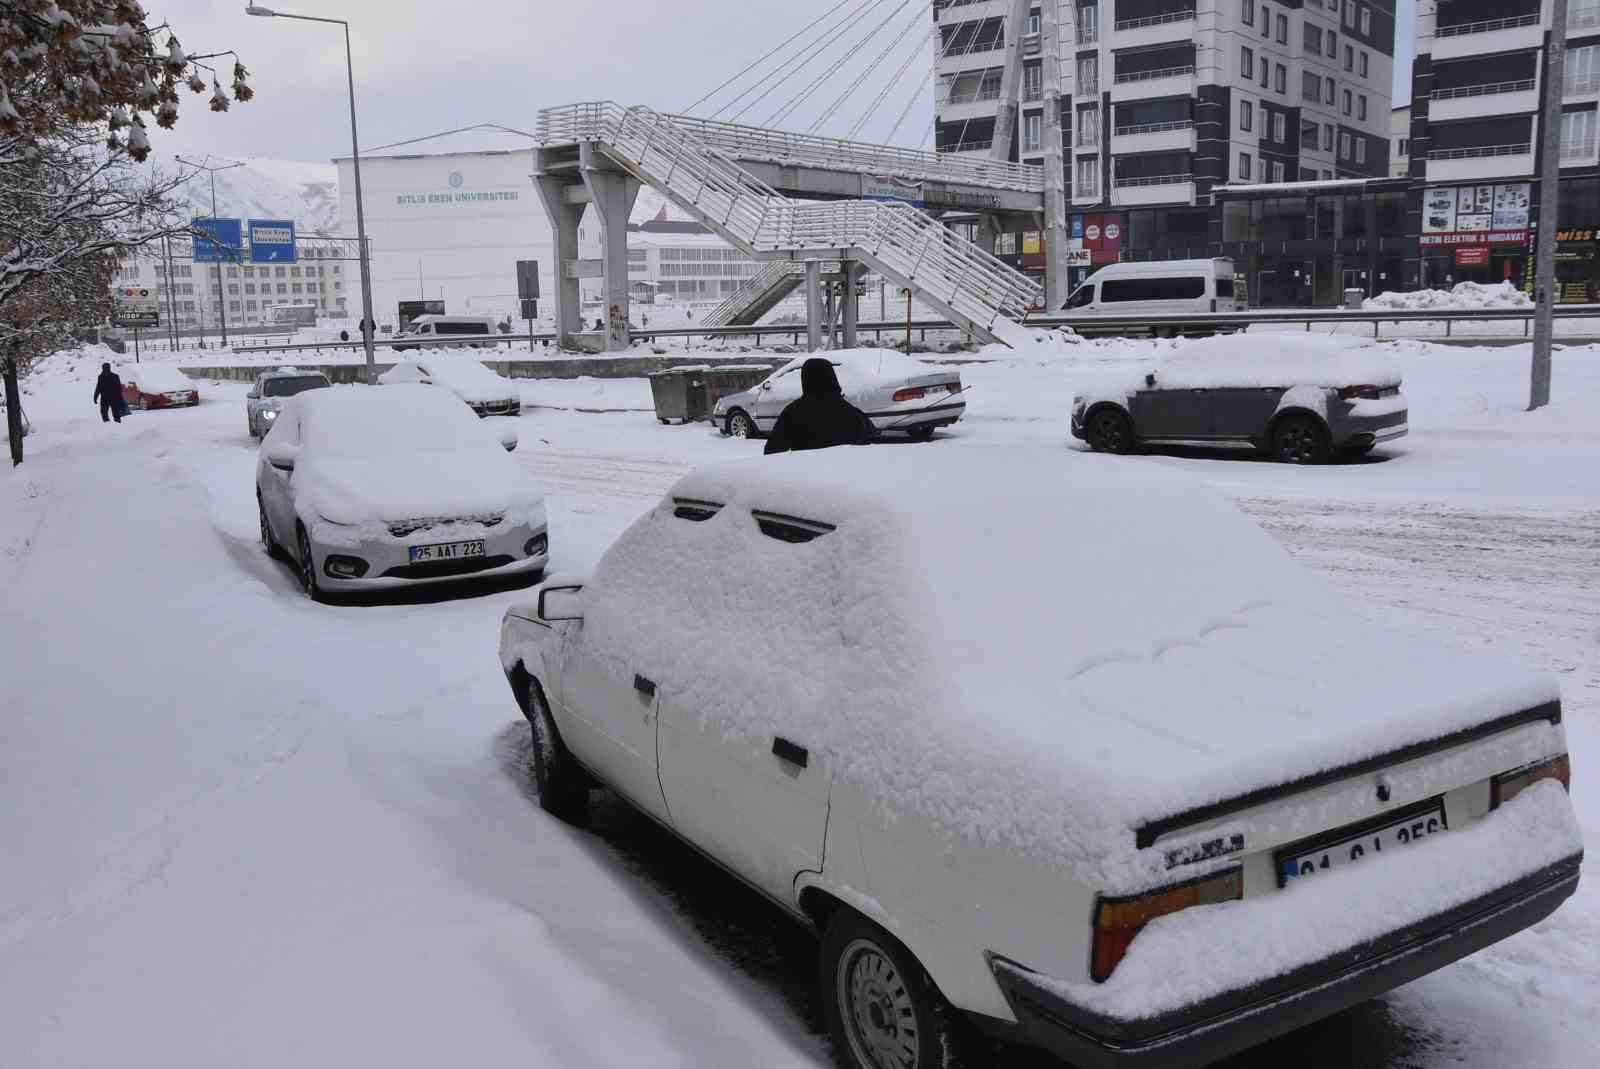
point(1300, 409)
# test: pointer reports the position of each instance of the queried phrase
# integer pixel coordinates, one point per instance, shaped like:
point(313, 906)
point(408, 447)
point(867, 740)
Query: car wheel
point(740, 425)
point(1109, 431)
point(562, 785)
point(883, 1011)
point(268, 542)
point(307, 566)
point(1300, 440)
point(921, 434)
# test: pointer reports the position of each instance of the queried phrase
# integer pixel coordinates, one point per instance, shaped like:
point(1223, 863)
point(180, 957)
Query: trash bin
point(732, 378)
point(680, 393)
point(1353, 299)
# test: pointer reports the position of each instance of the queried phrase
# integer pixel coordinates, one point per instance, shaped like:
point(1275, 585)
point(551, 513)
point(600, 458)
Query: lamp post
point(367, 325)
point(212, 169)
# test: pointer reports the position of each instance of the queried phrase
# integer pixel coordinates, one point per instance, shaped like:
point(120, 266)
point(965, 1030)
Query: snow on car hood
point(1034, 650)
point(464, 482)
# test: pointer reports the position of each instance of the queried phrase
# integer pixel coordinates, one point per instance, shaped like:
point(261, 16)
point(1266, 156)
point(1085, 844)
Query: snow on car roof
point(1029, 648)
point(158, 378)
point(866, 364)
point(1276, 359)
point(465, 375)
point(404, 418)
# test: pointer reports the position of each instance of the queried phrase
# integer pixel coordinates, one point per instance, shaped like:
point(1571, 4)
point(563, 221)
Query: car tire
point(252, 429)
point(306, 566)
point(921, 434)
point(1109, 430)
point(562, 784)
point(1300, 439)
point(739, 424)
point(882, 1009)
point(268, 542)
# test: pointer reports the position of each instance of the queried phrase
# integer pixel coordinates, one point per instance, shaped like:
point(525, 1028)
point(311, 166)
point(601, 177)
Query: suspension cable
point(866, 72)
point(889, 87)
point(797, 63)
point(800, 98)
point(790, 40)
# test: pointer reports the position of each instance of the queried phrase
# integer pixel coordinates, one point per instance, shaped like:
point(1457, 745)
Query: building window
point(1327, 138)
point(1327, 176)
point(1582, 75)
point(1266, 22)
point(1088, 126)
point(1366, 20)
point(233, 272)
point(1330, 95)
point(283, 287)
point(1365, 69)
point(1247, 12)
point(1032, 81)
point(249, 306)
point(1266, 69)
point(1089, 74)
point(1261, 170)
point(1280, 79)
point(278, 272)
point(1033, 23)
point(1344, 146)
point(1349, 12)
point(1404, 147)
point(1283, 29)
point(1578, 134)
point(1361, 106)
point(1088, 177)
point(1088, 24)
point(1310, 87)
point(1349, 59)
point(233, 306)
point(1247, 62)
point(1313, 38)
point(1280, 132)
point(1247, 116)
point(1349, 102)
point(1030, 132)
point(1277, 171)
point(1333, 44)
point(233, 288)
point(1361, 150)
point(1244, 166)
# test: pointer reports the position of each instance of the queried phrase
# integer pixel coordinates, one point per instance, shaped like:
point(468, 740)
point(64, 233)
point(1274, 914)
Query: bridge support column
point(813, 285)
point(988, 231)
point(564, 218)
point(612, 193)
point(849, 303)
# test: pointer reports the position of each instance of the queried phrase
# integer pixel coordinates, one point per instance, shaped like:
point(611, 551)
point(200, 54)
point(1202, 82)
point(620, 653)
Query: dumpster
point(725, 379)
point(1353, 299)
point(680, 393)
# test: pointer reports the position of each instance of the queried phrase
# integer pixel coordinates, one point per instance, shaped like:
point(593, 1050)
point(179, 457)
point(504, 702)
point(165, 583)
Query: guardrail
point(1522, 85)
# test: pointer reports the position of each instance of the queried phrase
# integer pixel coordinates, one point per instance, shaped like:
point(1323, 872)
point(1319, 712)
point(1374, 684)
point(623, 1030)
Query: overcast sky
point(425, 67)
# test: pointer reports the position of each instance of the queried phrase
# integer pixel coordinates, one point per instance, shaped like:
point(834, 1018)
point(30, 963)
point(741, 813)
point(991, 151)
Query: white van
point(1157, 287)
point(427, 327)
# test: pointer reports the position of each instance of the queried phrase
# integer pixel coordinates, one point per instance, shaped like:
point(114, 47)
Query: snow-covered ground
point(242, 829)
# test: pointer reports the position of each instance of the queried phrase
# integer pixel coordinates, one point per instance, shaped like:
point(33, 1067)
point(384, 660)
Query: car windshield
point(289, 386)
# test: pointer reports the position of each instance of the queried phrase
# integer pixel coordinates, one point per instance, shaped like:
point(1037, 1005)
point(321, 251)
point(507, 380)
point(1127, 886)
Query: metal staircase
point(758, 295)
point(976, 291)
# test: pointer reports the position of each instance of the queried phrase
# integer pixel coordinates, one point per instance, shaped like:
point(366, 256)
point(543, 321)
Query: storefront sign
point(1485, 237)
point(1474, 210)
point(960, 198)
point(888, 187)
point(1585, 234)
point(1079, 258)
point(1032, 242)
point(1473, 256)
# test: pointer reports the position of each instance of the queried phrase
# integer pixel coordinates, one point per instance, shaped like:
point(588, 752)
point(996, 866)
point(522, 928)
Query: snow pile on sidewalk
point(1463, 295)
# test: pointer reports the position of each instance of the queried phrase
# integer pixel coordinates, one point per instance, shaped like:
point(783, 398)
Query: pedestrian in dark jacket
point(821, 417)
point(108, 391)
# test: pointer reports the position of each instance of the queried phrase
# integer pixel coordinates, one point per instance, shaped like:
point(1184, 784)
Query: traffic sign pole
point(135, 345)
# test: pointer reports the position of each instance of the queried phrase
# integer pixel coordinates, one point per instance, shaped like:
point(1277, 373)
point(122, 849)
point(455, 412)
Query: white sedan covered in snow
point(366, 488)
point(1128, 784)
point(485, 392)
point(897, 392)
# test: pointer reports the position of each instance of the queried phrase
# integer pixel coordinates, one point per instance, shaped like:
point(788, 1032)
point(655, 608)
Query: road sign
point(530, 310)
point(272, 241)
point(136, 306)
point(527, 280)
point(219, 241)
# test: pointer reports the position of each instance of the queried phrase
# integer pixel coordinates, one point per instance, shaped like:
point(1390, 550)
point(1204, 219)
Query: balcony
point(1492, 98)
point(1154, 137)
point(1158, 189)
point(1486, 37)
point(1166, 28)
point(1147, 85)
point(1480, 162)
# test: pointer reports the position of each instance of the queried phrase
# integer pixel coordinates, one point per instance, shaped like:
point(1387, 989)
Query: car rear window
point(790, 528)
point(1187, 288)
point(698, 511)
point(288, 387)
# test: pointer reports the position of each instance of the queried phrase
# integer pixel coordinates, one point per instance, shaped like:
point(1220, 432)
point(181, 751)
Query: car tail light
point(953, 387)
point(1508, 785)
point(910, 393)
point(1363, 393)
point(1118, 920)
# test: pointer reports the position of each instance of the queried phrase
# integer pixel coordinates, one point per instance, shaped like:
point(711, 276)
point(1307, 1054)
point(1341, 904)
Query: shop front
point(1578, 265)
point(1476, 233)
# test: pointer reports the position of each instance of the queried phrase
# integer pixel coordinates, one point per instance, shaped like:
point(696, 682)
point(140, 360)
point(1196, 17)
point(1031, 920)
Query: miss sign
point(272, 241)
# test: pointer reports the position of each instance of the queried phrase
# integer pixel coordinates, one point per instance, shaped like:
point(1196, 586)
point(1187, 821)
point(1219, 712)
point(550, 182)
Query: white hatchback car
point(1079, 752)
point(372, 487)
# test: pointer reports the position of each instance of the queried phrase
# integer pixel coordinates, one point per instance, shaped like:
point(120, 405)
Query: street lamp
point(367, 325)
point(209, 168)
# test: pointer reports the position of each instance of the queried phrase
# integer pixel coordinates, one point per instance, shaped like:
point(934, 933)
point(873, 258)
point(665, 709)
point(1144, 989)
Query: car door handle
point(644, 686)
point(793, 753)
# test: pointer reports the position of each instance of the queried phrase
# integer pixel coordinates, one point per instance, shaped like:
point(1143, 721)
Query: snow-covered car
point(485, 392)
point(271, 389)
point(158, 386)
point(897, 392)
point(366, 488)
point(1301, 399)
point(1127, 783)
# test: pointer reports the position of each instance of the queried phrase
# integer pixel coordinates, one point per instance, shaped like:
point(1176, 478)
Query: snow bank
point(1467, 295)
point(401, 452)
point(1032, 650)
point(157, 378)
point(464, 376)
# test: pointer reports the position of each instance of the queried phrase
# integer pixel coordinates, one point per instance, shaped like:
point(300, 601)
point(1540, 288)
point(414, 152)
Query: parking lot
point(326, 801)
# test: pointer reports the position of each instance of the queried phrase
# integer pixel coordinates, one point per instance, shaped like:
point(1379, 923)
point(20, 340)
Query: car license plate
point(447, 550)
point(1350, 845)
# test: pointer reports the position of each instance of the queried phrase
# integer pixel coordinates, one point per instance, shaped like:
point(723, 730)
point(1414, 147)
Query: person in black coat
point(108, 391)
point(821, 417)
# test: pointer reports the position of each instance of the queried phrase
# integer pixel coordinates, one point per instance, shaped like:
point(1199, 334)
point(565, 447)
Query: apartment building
point(1476, 121)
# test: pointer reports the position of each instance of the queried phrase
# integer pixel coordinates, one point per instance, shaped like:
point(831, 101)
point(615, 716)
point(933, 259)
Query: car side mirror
point(1150, 379)
point(508, 437)
point(558, 603)
point(281, 455)
point(253, 396)
point(767, 385)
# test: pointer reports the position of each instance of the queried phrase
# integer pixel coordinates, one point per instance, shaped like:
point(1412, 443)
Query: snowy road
point(243, 829)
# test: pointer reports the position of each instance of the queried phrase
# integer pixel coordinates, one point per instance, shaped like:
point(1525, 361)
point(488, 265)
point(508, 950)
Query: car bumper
point(389, 564)
point(1235, 1020)
point(1354, 430)
point(913, 417)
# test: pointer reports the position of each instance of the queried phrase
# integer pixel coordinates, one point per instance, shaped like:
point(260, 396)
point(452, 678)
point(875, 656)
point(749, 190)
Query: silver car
point(366, 488)
point(272, 388)
point(897, 392)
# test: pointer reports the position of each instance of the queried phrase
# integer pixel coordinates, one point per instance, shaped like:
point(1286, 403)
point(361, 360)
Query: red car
point(158, 386)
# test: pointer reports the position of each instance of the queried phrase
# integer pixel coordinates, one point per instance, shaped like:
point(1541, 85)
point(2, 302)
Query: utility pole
point(222, 297)
point(1544, 288)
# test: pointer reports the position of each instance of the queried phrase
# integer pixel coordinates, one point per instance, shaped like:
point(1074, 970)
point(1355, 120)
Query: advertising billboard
point(272, 241)
point(136, 306)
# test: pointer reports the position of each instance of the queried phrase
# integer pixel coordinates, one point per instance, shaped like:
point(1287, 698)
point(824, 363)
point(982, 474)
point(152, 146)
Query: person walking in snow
point(821, 417)
point(108, 391)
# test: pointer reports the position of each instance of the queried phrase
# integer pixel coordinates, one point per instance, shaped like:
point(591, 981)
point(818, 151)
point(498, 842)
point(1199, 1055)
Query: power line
point(866, 72)
point(767, 56)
